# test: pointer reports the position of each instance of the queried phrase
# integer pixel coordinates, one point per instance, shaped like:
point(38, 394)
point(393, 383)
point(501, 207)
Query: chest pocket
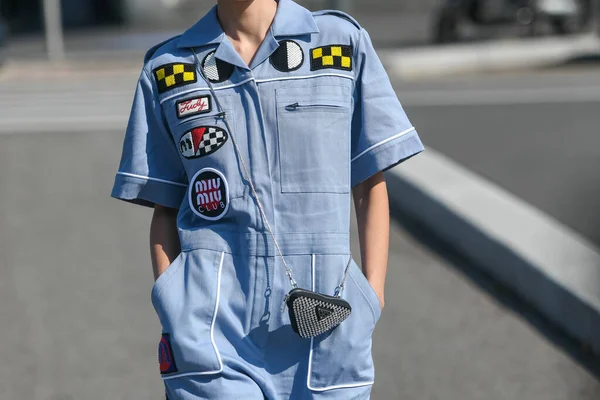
point(313, 125)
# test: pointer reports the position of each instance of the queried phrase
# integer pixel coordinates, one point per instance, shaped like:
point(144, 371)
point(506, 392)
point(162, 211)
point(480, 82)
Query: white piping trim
point(349, 386)
point(147, 178)
point(383, 142)
point(204, 89)
point(314, 270)
point(212, 330)
point(312, 340)
point(212, 324)
point(287, 78)
point(310, 355)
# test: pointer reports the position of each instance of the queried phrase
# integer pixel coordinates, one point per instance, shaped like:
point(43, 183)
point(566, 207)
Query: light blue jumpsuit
point(314, 115)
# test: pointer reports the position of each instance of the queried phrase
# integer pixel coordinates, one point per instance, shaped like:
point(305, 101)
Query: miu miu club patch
point(215, 70)
point(288, 57)
point(209, 194)
point(334, 57)
point(171, 76)
point(202, 141)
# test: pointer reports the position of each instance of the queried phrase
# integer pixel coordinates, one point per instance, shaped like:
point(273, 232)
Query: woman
point(247, 135)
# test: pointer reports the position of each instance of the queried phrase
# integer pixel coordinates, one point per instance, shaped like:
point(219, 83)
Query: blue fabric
point(313, 116)
point(378, 120)
point(151, 171)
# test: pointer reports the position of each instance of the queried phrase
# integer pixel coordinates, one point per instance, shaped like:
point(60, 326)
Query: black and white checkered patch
point(215, 70)
point(288, 57)
point(202, 141)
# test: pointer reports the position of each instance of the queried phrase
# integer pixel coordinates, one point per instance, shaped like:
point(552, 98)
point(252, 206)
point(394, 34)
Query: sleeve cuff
point(382, 157)
point(147, 191)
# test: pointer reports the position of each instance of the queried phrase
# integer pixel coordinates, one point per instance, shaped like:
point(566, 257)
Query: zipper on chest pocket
point(306, 106)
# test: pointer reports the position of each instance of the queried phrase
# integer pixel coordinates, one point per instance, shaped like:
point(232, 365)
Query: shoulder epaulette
point(339, 14)
point(154, 48)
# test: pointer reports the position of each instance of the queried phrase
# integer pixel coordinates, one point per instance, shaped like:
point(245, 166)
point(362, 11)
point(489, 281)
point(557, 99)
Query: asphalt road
point(77, 322)
point(536, 134)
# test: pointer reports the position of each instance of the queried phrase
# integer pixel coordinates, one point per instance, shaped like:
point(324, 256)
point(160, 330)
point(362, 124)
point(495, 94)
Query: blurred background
point(494, 273)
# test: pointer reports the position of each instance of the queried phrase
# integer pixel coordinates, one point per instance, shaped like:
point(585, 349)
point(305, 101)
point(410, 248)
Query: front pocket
point(166, 274)
point(342, 357)
point(365, 286)
point(186, 301)
point(313, 125)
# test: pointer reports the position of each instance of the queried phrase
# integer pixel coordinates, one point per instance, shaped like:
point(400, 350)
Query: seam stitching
point(148, 178)
point(406, 132)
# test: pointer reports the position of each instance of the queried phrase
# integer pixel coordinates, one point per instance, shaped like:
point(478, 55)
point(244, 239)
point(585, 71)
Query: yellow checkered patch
point(334, 56)
point(171, 76)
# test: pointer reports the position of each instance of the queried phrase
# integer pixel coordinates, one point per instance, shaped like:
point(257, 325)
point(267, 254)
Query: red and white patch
point(195, 106)
point(165, 355)
point(202, 141)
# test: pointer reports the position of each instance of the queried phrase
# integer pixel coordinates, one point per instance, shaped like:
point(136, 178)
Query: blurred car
point(562, 16)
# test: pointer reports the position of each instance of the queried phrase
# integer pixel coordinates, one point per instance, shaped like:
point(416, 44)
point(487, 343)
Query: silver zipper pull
point(338, 291)
point(292, 107)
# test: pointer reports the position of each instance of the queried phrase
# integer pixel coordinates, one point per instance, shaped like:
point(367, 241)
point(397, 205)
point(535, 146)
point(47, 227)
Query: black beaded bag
point(313, 314)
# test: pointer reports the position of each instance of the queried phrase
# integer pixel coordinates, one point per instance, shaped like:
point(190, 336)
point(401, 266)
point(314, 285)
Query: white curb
point(547, 264)
point(432, 62)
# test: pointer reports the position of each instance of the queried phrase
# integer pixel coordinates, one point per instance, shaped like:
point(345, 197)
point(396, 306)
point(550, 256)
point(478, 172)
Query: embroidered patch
point(195, 106)
point(209, 194)
point(165, 355)
point(215, 70)
point(288, 57)
point(336, 57)
point(175, 75)
point(202, 141)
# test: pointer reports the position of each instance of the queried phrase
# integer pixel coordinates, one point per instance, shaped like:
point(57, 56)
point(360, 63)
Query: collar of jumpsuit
point(290, 20)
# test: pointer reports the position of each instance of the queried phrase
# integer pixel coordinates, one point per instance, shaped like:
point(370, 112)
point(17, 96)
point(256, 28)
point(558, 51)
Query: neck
point(246, 20)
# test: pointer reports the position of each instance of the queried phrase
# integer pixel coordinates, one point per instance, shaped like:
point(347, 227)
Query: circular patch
point(202, 141)
point(288, 57)
point(215, 70)
point(209, 194)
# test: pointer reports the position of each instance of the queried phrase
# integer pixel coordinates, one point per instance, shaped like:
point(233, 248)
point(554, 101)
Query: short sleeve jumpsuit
point(313, 115)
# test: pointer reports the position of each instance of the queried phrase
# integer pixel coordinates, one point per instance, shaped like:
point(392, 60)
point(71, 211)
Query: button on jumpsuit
point(313, 116)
